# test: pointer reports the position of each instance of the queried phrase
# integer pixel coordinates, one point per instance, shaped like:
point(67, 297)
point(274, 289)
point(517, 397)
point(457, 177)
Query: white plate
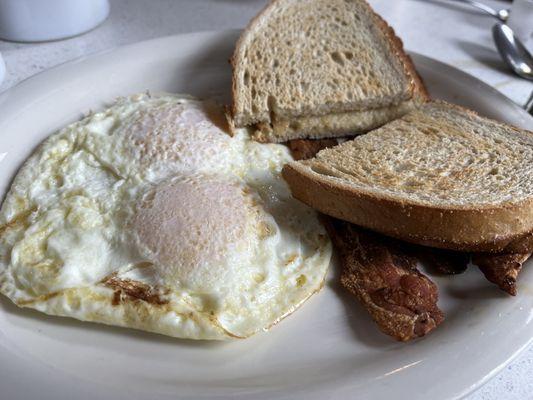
point(328, 349)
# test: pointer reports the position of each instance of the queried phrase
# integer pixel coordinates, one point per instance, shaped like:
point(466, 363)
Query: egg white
point(148, 215)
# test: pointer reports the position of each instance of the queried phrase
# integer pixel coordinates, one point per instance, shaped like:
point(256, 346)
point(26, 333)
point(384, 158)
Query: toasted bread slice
point(440, 176)
point(320, 68)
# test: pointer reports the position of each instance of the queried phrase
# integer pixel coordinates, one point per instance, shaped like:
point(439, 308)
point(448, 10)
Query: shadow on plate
point(481, 292)
point(485, 55)
point(208, 74)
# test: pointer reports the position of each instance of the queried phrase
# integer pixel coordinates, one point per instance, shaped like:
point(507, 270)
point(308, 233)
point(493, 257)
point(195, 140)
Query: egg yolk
point(198, 231)
point(179, 134)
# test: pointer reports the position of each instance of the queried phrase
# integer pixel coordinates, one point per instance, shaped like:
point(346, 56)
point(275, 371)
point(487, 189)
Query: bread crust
point(417, 87)
point(239, 48)
point(487, 229)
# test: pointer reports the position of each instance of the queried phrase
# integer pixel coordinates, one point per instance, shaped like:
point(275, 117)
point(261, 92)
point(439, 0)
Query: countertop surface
point(444, 30)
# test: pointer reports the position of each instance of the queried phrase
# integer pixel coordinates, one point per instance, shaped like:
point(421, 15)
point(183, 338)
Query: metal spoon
point(513, 52)
point(529, 104)
point(515, 55)
point(502, 15)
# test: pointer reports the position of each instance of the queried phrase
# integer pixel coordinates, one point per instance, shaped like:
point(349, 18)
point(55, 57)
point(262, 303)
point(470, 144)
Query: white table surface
point(439, 29)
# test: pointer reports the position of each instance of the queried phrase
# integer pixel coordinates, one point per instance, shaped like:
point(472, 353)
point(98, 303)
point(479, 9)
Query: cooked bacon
point(521, 245)
point(445, 262)
point(401, 300)
point(302, 149)
point(501, 269)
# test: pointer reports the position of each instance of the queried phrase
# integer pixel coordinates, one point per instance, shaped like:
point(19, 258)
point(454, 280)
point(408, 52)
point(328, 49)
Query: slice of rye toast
point(320, 68)
point(441, 176)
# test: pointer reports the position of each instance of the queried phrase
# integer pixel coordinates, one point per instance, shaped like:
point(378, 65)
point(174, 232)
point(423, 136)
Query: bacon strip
point(401, 300)
point(445, 262)
point(502, 269)
point(302, 149)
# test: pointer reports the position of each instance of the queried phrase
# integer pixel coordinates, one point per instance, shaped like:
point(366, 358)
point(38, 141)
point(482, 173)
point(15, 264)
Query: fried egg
point(149, 215)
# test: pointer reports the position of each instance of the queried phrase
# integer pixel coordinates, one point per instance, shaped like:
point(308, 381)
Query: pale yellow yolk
point(198, 231)
point(179, 135)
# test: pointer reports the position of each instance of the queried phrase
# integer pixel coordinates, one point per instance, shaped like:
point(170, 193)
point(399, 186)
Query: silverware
point(529, 104)
point(502, 15)
point(513, 52)
point(515, 55)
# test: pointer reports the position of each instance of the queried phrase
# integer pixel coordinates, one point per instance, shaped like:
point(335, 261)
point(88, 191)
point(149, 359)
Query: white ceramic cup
point(43, 20)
